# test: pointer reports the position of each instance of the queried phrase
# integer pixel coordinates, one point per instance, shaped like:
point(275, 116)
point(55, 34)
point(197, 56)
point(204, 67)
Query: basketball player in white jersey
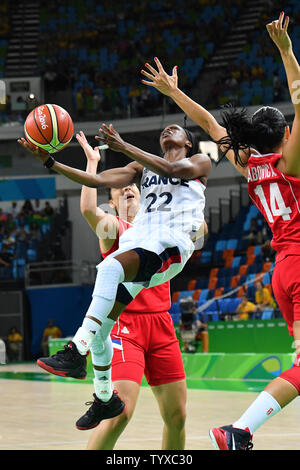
point(150, 253)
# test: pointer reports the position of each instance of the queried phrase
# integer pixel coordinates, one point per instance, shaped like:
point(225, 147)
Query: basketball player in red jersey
point(264, 150)
point(143, 337)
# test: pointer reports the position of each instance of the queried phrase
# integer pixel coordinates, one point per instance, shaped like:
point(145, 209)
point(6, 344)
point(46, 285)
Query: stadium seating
point(35, 243)
point(232, 267)
point(258, 70)
point(105, 46)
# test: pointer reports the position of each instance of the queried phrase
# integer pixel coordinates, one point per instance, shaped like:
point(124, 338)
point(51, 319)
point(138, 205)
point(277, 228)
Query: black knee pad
point(123, 295)
point(150, 263)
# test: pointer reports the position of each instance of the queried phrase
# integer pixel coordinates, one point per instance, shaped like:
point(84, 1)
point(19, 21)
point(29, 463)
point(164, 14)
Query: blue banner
point(66, 306)
point(27, 188)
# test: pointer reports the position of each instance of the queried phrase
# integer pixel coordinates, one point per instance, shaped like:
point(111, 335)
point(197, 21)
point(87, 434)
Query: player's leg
point(128, 366)
point(135, 265)
point(282, 390)
point(71, 361)
point(104, 309)
point(105, 436)
point(171, 400)
point(204, 338)
point(285, 388)
point(165, 374)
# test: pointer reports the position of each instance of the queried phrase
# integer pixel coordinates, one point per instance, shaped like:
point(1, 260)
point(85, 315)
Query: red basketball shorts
point(146, 343)
point(286, 288)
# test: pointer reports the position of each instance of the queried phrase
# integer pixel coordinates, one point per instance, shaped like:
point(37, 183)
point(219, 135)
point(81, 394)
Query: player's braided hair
point(194, 141)
point(192, 138)
point(263, 131)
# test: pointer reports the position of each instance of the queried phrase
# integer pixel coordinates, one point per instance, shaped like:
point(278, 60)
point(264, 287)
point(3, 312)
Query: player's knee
point(110, 273)
point(121, 421)
point(175, 419)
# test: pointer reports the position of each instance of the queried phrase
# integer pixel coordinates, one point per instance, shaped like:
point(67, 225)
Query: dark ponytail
point(194, 141)
point(192, 138)
point(263, 131)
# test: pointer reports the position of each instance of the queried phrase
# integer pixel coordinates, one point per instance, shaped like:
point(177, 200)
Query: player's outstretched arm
point(113, 178)
point(278, 31)
point(188, 168)
point(106, 226)
point(168, 85)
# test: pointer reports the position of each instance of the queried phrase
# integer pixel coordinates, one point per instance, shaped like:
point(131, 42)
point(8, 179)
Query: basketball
point(49, 127)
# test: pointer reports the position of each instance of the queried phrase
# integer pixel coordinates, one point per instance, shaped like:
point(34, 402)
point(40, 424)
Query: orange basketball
point(49, 127)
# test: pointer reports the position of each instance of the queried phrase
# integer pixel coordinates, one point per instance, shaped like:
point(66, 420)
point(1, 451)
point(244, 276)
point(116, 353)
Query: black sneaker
point(100, 410)
point(65, 363)
point(230, 438)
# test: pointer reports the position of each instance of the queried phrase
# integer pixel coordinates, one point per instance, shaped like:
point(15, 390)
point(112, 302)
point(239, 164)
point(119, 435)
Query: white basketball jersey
point(172, 204)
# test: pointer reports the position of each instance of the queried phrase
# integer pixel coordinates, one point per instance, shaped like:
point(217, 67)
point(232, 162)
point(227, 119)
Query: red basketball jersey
point(154, 300)
point(277, 197)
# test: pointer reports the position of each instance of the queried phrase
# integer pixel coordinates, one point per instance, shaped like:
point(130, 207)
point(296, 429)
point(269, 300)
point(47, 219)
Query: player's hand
point(111, 137)
point(92, 154)
point(160, 79)
point(278, 33)
point(36, 151)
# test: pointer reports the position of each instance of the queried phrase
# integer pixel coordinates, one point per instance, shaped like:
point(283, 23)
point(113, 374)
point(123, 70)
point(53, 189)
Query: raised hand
point(278, 33)
point(160, 79)
point(111, 137)
point(91, 153)
point(40, 154)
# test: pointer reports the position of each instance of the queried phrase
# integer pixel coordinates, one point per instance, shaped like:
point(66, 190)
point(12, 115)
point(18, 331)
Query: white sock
point(103, 385)
point(263, 408)
point(102, 354)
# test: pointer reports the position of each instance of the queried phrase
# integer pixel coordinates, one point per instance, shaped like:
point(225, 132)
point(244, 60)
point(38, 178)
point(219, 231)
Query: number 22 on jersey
point(277, 205)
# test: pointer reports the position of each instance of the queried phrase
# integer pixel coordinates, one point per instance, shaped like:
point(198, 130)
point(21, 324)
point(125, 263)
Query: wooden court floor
point(41, 415)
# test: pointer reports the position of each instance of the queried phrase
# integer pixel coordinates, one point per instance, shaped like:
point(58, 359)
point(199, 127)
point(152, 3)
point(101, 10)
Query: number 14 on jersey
point(276, 206)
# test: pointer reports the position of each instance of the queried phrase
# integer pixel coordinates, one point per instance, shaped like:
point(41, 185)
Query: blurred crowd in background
point(95, 52)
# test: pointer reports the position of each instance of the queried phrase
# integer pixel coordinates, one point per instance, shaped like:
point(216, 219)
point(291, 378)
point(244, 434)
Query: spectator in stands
point(14, 344)
point(35, 232)
point(80, 103)
point(193, 326)
point(48, 209)
point(257, 72)
point(6, 257)
point(254, 232)
point(201, 330)
point(51, 331)
point(50, 78)
point(27, 208)
point(3, 215)
point(37, 206)
point(14, 209)
point(22, 235)
point(9, 239)
point(267, 252)
point(10, 224)
point(263, 298)
point(244, 309)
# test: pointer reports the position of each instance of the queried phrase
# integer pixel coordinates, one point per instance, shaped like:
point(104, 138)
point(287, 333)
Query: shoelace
point(67, 350)
point(89, 403)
